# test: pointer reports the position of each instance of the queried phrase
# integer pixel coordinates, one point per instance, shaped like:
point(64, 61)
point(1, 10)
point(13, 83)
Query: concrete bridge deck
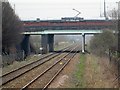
point(64, 32)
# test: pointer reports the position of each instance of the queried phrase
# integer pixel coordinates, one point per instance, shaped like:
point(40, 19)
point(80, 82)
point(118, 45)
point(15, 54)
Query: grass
point(82, 80)
point(80, 72)
point(91, 73)
point(94, 62)
point(96, 75)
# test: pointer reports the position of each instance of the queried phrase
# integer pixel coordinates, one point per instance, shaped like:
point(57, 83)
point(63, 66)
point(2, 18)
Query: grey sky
point(55, 9)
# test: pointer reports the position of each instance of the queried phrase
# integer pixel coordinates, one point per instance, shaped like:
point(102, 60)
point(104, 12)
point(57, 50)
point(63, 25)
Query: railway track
point(48, 75)
point(22, 70)
point(45, 56)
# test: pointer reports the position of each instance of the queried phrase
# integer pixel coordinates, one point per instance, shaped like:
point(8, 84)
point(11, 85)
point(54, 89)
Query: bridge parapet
point(68, 25)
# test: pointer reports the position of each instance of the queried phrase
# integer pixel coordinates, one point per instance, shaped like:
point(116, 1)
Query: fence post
point(23, 54)
point(119, 73)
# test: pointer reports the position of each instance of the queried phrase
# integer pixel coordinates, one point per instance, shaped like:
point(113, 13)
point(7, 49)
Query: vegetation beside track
point(80, 71)
point(92, 72)
point(98, 72)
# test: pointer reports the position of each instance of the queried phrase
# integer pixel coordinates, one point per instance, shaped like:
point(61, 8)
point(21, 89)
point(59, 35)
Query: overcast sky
point(55, 9)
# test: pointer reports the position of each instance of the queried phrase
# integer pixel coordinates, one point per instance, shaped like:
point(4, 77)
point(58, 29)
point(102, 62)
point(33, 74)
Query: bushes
point(102, 44)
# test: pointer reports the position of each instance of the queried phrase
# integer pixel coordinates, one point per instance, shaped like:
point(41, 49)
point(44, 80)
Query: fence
point(115, 62)
point(8, 59)
point(118, 72)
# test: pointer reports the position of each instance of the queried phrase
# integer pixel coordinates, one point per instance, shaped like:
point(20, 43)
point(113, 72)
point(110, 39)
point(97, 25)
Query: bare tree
point(11, 27)
point(113, 14)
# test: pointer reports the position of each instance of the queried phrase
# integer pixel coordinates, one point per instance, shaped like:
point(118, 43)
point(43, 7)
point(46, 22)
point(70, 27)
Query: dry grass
point(96, 75)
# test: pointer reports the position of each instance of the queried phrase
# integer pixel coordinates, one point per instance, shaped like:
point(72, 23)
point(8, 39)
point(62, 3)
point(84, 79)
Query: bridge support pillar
point(44, 43)
point(25, 45)
point(47, 43)
point(51, 42)
point(83, 43)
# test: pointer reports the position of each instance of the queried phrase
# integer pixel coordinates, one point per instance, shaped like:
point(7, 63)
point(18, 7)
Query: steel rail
point(30, 68)
point(59, 71)
point(33, 80)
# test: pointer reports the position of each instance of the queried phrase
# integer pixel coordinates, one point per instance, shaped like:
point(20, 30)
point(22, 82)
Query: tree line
point(107, 42)
point(104, 43)
point(11, 29)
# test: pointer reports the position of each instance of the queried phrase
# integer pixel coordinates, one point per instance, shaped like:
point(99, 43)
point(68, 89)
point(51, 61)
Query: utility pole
point(100, 10)
point(105, 10)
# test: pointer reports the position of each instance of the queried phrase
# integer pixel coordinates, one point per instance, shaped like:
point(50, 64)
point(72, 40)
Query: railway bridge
point(66, 26)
